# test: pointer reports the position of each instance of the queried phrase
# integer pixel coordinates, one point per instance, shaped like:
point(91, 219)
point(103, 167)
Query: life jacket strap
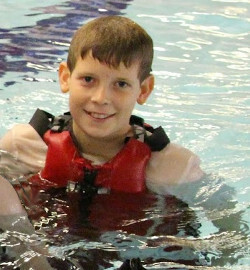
point(42, 121)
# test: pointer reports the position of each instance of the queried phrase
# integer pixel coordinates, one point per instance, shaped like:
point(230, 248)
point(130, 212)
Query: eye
point(88, 79)
point(122, 84)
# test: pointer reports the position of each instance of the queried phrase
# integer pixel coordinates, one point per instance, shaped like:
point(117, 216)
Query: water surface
point(201, 99)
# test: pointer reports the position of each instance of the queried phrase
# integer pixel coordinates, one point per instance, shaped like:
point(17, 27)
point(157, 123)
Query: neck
point(100, 147)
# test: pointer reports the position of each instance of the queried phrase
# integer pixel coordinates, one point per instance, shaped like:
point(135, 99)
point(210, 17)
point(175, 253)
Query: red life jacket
point(64, 163)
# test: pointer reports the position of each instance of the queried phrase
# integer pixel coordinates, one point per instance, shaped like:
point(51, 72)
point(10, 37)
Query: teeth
point(99, 115)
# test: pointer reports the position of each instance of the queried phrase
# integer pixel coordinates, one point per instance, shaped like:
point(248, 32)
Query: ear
point(147, 87)
point(64, 76)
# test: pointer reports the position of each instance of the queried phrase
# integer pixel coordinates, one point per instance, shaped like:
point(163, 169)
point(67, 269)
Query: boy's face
point(101, 97)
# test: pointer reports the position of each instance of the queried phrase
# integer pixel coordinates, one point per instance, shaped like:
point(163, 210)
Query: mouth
point(99, 116)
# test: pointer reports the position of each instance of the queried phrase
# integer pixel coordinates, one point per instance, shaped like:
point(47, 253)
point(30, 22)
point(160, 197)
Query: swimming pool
point(202, 100)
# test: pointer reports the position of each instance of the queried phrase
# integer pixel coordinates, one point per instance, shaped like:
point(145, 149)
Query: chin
point(100, 134)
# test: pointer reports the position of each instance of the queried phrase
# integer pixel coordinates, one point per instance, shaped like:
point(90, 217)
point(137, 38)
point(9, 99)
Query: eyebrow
point(82, 73)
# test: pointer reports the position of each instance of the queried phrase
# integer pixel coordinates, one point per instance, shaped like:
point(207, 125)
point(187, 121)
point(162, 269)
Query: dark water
point(94, 233)
point(101, 232)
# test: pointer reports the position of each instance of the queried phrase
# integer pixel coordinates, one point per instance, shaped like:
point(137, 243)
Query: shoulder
point(25, 144)
point(173, 165)
point(17, 135)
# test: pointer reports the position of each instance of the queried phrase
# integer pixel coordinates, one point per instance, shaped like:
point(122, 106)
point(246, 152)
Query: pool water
point(202, 100)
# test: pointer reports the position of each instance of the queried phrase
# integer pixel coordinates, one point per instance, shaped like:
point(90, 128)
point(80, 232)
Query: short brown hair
point(113, 40)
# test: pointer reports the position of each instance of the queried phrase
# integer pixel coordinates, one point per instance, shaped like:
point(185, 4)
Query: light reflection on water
point(201, 98)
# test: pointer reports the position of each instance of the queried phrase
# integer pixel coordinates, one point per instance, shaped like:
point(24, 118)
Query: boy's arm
point(171, 166)
point(13, 219)
point(10, 203)
point(24, 143)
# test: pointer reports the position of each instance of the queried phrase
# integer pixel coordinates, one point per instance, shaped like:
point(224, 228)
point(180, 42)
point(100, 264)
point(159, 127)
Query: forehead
point(88, 62)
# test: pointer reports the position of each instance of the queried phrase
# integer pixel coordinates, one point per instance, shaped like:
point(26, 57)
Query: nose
point(101, 95)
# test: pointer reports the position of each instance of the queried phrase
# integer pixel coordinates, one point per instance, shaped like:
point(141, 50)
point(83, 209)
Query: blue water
point(201, 98)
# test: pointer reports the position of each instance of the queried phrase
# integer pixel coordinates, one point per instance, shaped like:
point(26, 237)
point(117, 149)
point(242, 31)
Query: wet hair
point(113, 40)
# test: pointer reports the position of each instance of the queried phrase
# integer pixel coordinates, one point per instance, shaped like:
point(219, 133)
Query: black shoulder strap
point(157, 140)
point(136, 120)
point(43, 121)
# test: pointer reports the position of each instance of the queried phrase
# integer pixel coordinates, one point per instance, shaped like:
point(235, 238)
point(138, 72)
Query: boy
point(99, 144)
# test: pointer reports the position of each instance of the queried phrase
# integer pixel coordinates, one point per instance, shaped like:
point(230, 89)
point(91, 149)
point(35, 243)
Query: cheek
point(74, 102)
point(128, 105)
point(76, 96)
point(71, 99)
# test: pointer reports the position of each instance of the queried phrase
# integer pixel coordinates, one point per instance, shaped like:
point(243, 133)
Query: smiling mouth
point(99, 116)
